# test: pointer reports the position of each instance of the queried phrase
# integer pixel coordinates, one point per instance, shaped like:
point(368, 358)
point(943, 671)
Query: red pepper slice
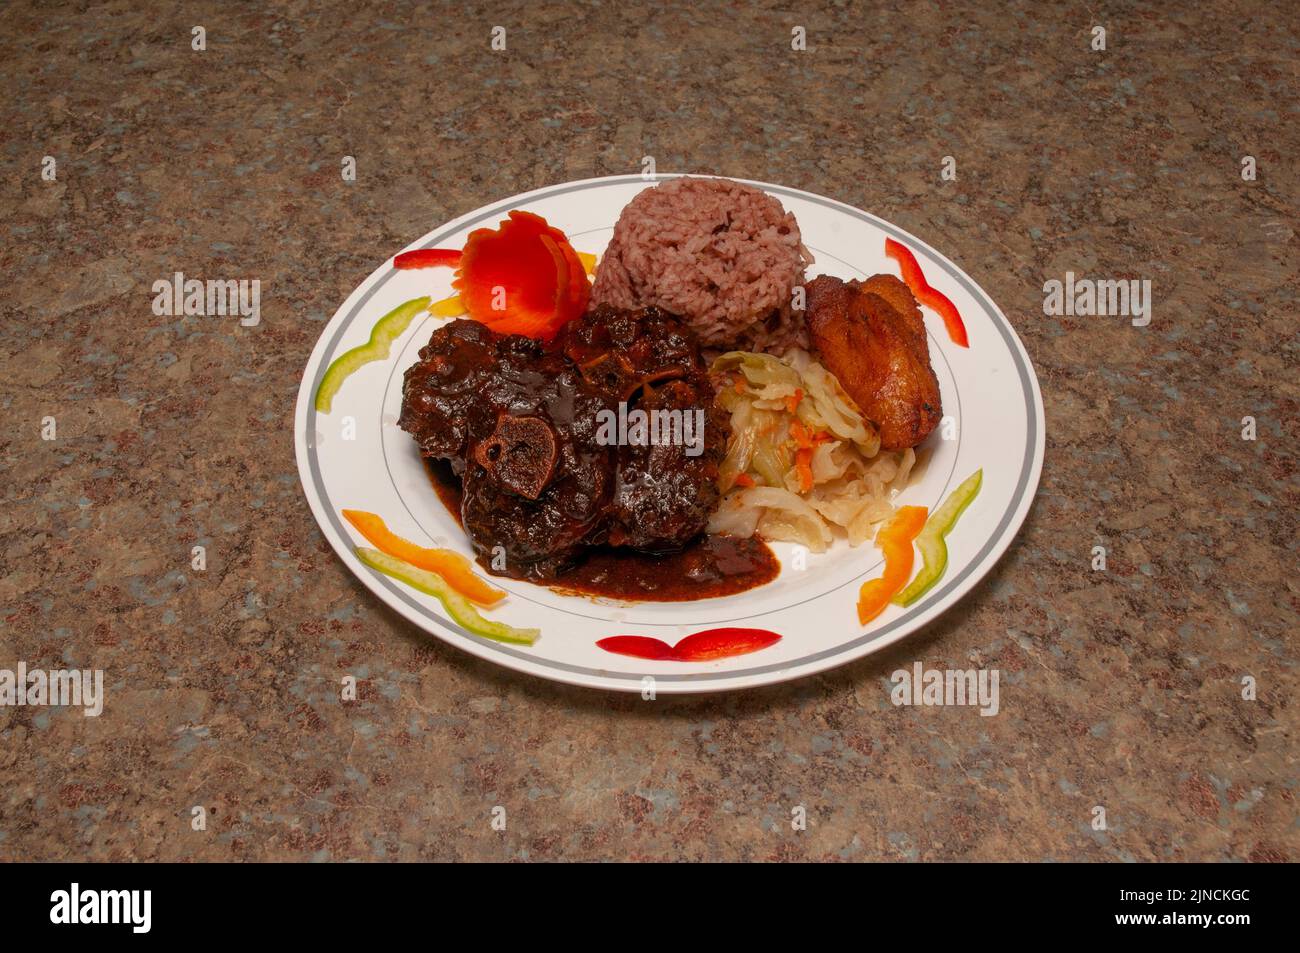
point(706, 646)
point(928, 296)
point(428, 258)
point(638, 646)
point(722, 643)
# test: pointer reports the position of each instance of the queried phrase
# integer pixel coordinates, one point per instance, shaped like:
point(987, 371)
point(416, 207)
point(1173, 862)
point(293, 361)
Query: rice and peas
point(726, 258)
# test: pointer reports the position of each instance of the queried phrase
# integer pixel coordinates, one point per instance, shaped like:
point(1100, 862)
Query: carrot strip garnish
point(803, 467)
point(803, 437)
point(914, 278)
point(806, 443)
point(895, 541)
point(451, 566)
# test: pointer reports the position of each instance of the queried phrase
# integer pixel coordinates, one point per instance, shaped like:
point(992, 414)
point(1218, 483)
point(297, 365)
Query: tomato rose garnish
point(522, 278)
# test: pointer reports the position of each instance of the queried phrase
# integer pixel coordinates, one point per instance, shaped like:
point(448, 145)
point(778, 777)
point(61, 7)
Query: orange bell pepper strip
point(895, 541)
point(914, 278)
point(451, 566)
point(451, 307)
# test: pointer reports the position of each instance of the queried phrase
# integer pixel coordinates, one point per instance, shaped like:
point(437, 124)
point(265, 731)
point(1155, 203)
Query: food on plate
point(802, 458)
point(454, 306)
point(934, 551)
point(870, 335)
point(707, 646)
point(451, 307)
point(895, 541)
point(386, 330)
point(457, 606)
point(450, 565)
point(723, 256)
point(594, 449)
point(522, 277)
point(532, 429)
point(428, 258)
point(710, 567)
point(928, 296)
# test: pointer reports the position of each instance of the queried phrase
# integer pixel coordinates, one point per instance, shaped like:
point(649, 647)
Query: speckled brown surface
point(1120, 688)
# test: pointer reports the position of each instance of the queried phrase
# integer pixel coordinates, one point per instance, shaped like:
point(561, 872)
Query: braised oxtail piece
point(525, 426)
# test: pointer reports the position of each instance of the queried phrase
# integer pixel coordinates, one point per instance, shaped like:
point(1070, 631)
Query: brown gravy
point(710, 567)
point(447, 485)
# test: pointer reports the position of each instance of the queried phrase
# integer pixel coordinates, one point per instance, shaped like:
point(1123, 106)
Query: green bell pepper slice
point(457, 606)
point(934, 551)
point(386, 330)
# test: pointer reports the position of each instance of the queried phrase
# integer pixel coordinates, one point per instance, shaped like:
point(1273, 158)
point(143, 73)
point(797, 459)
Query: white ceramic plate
point(989, 390)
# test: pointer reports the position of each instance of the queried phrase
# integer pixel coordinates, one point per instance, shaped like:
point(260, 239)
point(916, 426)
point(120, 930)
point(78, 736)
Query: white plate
point(990, 391)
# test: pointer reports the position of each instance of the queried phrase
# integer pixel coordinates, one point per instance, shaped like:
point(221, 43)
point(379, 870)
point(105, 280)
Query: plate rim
point(697, 682)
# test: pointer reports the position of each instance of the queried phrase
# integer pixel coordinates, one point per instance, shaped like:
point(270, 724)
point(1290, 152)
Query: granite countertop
point(1120, 689)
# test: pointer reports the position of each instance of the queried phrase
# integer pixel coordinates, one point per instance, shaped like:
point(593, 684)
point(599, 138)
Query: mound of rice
point(723, 256)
